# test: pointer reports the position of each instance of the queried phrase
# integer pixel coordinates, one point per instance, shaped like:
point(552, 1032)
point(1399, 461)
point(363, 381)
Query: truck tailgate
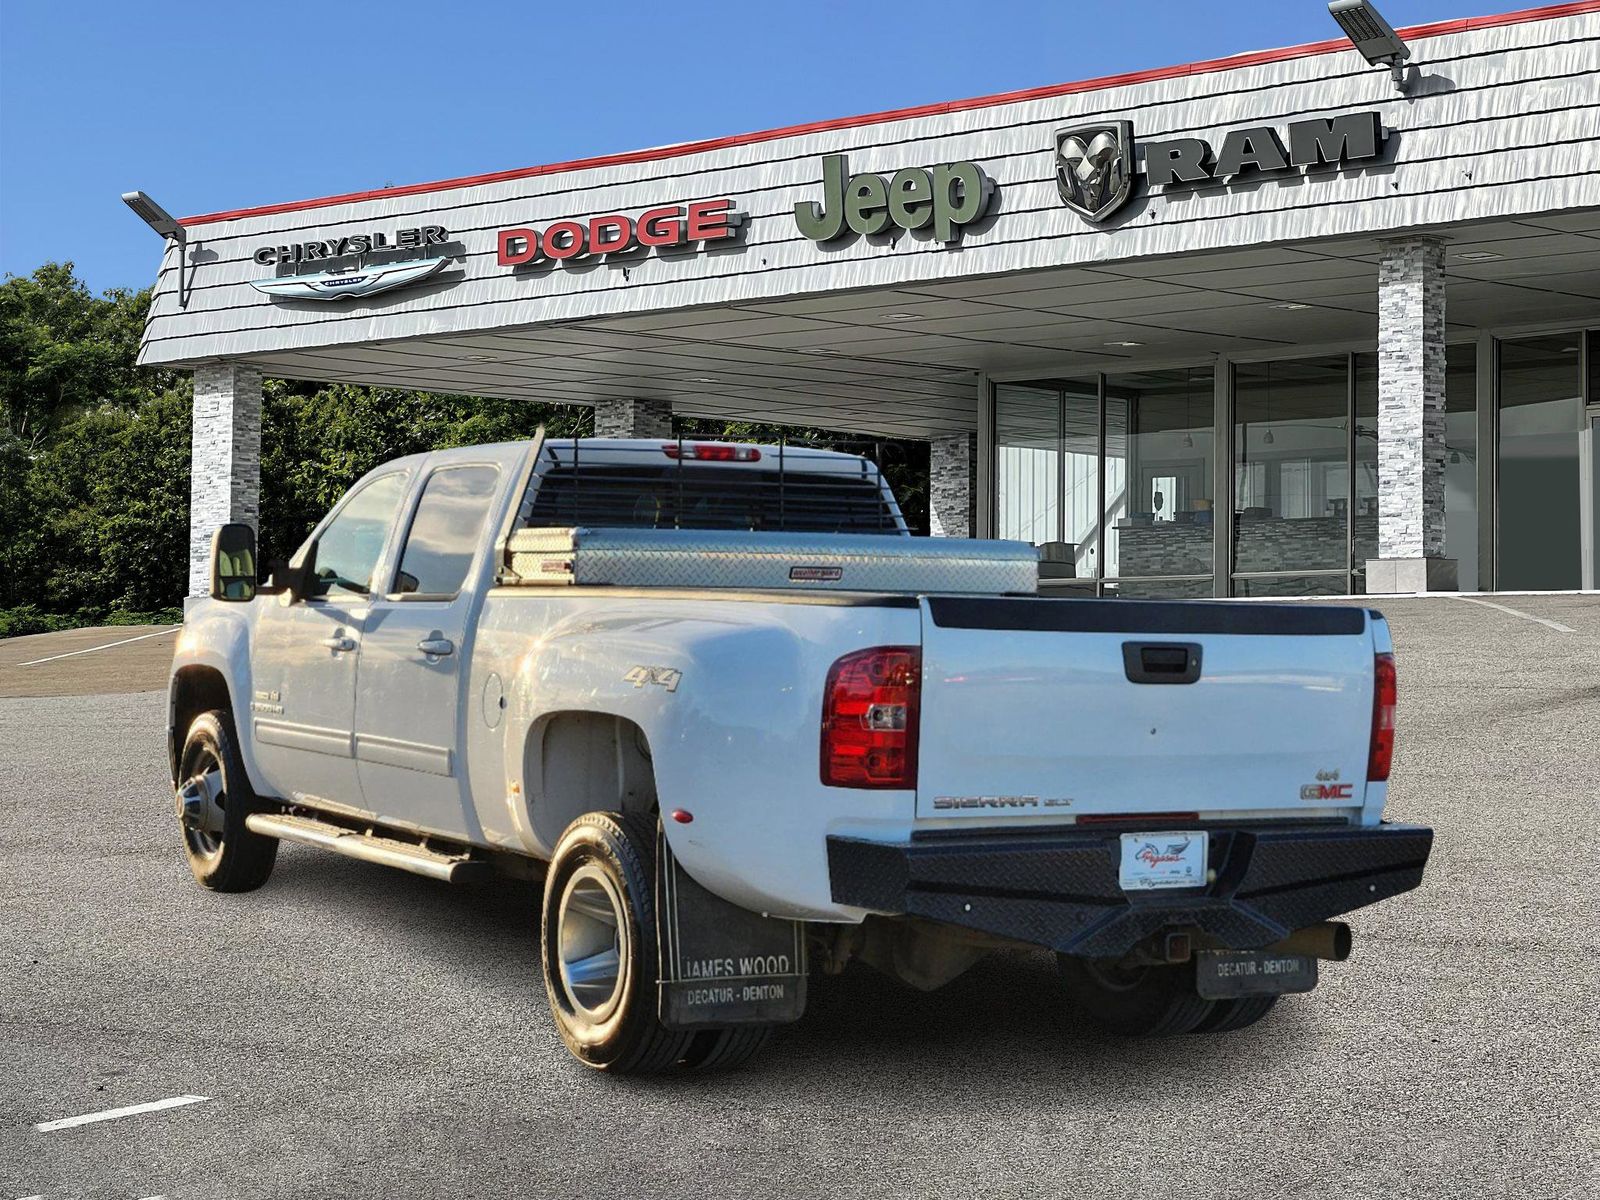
point(1031, 708)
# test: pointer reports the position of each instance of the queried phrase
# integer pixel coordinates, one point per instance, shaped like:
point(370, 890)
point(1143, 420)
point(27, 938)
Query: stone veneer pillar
point(952, 485)
point(224, 459)
point(1411, 420)
point(633, 418)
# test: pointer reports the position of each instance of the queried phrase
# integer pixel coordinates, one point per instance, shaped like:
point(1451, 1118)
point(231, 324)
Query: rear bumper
point(1059, 888)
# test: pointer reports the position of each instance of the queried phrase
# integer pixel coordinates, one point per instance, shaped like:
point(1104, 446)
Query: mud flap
point(1230, 974)
point(722, 964)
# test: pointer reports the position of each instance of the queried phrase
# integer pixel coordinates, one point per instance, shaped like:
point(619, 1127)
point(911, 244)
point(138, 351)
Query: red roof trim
point(1232, 62)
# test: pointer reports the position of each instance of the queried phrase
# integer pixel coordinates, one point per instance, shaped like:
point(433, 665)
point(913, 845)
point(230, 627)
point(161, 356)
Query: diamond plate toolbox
point(687, 558)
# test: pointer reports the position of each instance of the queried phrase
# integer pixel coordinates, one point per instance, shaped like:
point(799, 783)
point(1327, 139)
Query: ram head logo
point(1094, 167)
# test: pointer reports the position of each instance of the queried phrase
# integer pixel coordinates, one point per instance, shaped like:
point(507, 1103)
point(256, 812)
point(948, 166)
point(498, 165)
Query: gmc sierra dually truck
point(741, 722)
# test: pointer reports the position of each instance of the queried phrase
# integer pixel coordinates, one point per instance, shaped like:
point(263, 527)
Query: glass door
point(1591, 535)
point(1540, 544)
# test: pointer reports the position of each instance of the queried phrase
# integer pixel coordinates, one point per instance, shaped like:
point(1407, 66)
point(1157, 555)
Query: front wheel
point(598, 946)
point(213, 799)
point(1154, 1001)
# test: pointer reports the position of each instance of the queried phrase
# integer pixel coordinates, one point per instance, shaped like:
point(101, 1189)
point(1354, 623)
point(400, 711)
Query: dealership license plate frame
point(1145, 861)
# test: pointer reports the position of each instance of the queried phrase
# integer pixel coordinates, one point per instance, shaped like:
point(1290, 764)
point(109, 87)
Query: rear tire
point(725, 1049)
point(213, 798)
point(1138, 1001)
point(598, 946)
point(1228, 1015)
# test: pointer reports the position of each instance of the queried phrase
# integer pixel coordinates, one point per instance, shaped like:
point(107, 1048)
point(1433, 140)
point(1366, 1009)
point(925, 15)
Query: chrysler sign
point(1097, 163)
point(355, 265)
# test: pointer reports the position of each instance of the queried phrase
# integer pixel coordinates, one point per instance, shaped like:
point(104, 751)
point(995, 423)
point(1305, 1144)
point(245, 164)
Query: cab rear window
point(709, 497)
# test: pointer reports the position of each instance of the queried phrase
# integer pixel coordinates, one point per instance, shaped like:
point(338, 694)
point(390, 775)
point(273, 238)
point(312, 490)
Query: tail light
point(711, 451)
point(1380, 755)
point(869, 719)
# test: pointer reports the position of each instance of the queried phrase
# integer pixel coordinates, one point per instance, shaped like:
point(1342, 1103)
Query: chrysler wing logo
point(1094, 167)
point(362, 281)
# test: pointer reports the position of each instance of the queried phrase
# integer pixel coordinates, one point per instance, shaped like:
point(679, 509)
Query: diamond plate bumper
point(1059, 888)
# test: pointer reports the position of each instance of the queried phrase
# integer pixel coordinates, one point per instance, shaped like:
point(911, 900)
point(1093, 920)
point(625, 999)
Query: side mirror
point(233, 563)
point(288, 582)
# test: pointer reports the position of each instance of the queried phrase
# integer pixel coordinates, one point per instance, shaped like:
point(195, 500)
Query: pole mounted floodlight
point(1372, 36)
point(153, 215)
point(164, 223)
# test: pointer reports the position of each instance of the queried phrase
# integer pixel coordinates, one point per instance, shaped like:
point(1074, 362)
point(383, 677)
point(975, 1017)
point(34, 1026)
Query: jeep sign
point(947, 197)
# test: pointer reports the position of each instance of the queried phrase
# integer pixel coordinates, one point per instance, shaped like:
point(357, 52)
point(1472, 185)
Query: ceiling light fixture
point(1478, 256)
point(1289, 305)
point(1124, 343)
point(1373, 37)
point(902, 317)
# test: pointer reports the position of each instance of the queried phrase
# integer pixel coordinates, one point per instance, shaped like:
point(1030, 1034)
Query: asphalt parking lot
point(361, 1032)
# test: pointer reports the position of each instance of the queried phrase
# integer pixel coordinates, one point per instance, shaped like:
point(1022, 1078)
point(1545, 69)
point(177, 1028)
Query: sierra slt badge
point(1095, 163)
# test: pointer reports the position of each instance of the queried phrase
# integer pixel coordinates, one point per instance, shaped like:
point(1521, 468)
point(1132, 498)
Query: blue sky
point(210, 106)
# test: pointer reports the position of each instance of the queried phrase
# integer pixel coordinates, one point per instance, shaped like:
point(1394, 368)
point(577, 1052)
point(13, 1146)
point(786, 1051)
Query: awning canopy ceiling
point(904, 361)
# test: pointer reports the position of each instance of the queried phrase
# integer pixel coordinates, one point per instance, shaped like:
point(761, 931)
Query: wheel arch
point(195, 688)
point(578, 761)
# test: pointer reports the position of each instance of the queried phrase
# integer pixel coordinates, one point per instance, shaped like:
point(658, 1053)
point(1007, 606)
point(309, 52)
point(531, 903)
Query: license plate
point(1226, 974)
point(1162, 860)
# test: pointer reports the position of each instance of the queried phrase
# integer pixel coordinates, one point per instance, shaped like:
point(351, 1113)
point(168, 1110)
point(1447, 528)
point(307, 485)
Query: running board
point(369, 847)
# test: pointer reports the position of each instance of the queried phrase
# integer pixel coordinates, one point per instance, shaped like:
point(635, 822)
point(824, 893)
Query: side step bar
point(369, 847)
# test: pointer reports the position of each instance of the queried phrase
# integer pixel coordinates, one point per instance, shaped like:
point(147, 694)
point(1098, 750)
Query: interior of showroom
point(1288, 322)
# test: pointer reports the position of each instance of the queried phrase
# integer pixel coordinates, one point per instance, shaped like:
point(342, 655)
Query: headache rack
point(694, 514)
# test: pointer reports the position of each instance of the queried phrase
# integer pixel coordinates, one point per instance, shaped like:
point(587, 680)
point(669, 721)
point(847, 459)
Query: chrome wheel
point(589, 938)
point(200, 801)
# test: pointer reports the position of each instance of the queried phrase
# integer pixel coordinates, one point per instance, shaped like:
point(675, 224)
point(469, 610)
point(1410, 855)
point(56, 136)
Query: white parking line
point(111, 1114)
point(1515, 612)
point(92, 649)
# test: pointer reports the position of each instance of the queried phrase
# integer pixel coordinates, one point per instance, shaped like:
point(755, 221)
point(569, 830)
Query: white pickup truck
point(741, 722)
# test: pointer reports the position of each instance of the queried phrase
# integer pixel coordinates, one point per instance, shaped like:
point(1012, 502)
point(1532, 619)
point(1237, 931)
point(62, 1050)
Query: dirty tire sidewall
point(1157, 1001)
point(244, 860)
point(629, 1038)
point(726, 1049)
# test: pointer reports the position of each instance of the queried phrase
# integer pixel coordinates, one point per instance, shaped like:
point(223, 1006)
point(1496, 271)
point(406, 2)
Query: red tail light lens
point(1384, 694)
point(869, 719)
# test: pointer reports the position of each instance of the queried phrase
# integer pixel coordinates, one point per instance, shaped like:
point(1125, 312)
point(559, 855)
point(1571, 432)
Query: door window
point(445, 532)
point(346, 553)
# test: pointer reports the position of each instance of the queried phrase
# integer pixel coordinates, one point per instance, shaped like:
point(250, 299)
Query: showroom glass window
point(1538, 545)
point(1159, 479)
point(1047, 467)
point(1292, 477)
point(444, 533)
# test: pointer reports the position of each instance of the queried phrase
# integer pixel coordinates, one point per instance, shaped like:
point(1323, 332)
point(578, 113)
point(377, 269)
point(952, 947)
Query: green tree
point(64, 351)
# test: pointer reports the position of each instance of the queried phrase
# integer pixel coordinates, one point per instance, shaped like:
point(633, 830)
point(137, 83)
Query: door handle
point(339, 643)
point(437, 647)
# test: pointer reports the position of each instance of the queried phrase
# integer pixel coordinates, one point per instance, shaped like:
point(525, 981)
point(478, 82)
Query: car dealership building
point(1273, 324)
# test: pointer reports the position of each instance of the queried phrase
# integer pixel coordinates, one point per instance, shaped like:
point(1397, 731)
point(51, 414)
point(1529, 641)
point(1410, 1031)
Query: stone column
point(224, 459)
point(1411, 446)
point(633, 418)
point(952, 485)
